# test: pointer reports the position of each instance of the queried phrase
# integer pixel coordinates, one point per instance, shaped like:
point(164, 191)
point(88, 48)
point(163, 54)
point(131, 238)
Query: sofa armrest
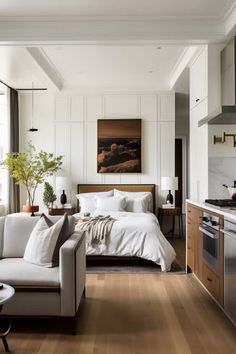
point(72, 268)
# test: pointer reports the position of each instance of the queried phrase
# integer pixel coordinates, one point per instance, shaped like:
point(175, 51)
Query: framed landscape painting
point(119, 146)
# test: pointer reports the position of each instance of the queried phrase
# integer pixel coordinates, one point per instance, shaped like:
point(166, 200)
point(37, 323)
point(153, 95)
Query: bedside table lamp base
point(169, 198)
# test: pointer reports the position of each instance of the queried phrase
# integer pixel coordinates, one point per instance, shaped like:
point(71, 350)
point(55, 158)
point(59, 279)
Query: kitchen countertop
point(226, 212)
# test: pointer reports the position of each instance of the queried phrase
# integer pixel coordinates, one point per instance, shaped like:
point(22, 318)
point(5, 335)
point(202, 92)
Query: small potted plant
point(30, 168)
point(49, 196)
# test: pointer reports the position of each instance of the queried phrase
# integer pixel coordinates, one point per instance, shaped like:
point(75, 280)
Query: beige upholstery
point(16, 271)
point(39, 290)
point(16, 238)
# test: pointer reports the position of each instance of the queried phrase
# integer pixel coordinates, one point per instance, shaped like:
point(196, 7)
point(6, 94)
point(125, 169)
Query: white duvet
point(136, 234)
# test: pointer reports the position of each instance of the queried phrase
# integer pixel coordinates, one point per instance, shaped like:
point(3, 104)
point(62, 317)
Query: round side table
point(6, 294)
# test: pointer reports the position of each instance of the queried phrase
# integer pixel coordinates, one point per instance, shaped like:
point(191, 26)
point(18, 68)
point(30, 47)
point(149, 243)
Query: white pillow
point(87, 201)
point(42, 242)
point(108, 204)
point(137, 205)
point(148, 195)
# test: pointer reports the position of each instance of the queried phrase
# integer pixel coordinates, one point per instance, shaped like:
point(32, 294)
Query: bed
point(133, 234)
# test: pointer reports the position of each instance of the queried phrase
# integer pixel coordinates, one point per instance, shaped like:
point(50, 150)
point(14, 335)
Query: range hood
point(226, 113)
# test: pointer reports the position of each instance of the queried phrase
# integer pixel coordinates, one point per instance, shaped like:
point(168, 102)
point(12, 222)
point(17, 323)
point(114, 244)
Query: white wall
point(67, 125)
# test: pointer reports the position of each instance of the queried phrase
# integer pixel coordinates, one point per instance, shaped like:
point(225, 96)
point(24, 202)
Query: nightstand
point(61, 211)
point(171, 212)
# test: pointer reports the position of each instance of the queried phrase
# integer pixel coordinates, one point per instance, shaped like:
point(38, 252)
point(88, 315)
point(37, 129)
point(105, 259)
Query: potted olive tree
point(29, 169)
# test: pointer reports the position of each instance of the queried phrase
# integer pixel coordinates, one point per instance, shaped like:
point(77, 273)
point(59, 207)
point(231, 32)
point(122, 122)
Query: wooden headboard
point(89, 188)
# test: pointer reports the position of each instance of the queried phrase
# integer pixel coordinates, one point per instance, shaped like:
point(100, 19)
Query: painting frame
point(119, 145)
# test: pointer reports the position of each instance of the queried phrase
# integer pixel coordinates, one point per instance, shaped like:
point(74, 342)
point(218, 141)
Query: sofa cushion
point(43, 241)
point(17, 231)
point(17, 272)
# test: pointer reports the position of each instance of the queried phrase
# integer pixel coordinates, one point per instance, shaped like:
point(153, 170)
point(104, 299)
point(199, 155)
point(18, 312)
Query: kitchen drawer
point(211, 281)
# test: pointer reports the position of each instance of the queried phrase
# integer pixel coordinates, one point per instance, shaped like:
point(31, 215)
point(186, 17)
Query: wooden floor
point(137, 314)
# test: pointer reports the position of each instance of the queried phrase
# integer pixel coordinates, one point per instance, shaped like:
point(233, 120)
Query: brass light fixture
point(222, 139)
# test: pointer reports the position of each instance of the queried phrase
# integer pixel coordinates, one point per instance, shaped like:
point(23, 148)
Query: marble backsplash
point(222, 170)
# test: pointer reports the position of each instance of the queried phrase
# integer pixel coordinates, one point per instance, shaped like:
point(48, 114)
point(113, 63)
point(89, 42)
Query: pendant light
point(32, 129)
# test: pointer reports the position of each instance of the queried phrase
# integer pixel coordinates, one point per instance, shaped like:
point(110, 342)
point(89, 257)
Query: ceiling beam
point(54, 31)
point(45, 69)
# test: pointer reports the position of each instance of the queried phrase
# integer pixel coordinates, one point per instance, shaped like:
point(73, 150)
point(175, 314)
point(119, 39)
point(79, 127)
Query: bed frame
point(89, 188)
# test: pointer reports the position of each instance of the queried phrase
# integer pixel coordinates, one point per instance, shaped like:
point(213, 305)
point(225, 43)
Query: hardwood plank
point(137, 314)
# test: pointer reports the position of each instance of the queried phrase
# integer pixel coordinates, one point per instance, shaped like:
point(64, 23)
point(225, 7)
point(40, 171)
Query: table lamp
point(170, 184)
point(63, 184)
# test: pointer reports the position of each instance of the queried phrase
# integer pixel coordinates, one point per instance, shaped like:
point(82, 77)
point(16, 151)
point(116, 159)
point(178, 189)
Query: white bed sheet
point(136, 234)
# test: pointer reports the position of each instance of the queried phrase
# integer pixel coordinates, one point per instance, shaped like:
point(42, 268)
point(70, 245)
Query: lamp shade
point(169, 183)
point(63, 183)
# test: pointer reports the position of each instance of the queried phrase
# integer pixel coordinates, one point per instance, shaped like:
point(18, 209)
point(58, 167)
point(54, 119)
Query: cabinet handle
point(189, 223)
point(189, 211)
point(197, 100)
point(189, 248)
point(209, 279)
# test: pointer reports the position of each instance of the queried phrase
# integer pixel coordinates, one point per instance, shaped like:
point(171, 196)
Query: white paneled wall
point(71, 130)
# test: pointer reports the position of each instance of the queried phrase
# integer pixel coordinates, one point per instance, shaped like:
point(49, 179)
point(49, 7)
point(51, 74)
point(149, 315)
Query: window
point(4, 145)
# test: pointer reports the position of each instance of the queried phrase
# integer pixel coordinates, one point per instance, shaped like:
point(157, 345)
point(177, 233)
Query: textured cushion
point(16, 271)
point(43, 240)
point(17, 231)
point(136, 195)
point(87, 201)
point(110, 204)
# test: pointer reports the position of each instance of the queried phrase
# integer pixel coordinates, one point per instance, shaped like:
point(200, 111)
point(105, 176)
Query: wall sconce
point(222, 139)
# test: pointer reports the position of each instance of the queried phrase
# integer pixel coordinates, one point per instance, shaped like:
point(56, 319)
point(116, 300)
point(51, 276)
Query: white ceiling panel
point(114, 66)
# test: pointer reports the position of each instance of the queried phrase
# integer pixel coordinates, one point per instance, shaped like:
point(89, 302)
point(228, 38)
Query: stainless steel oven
point(210, 229)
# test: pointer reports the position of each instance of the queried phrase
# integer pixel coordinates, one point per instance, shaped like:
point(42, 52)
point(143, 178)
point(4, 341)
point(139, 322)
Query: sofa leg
point(84, 293)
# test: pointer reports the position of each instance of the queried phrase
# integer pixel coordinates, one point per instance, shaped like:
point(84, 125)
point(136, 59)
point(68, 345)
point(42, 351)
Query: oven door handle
point(204, 231)
point(227, 233)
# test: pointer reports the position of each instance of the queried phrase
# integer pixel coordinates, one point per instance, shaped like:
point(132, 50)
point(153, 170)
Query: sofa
point(40, 291)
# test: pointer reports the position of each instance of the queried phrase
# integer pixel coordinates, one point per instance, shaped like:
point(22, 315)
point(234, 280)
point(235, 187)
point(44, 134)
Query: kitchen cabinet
point(212, 280)
point(198, 154)
point(205, 98)
point(198, 78)
point(194, 217)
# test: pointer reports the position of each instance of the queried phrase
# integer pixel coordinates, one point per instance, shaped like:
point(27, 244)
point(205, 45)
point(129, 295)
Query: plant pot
point(30, 209)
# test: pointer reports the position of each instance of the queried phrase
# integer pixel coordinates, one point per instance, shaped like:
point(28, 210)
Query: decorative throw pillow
point(109, 204)
point(45, 241)
point(137, 205)
point(87, 201)
point(136, 195)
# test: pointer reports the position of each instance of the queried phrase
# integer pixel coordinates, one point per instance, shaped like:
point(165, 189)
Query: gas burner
point(222, 202)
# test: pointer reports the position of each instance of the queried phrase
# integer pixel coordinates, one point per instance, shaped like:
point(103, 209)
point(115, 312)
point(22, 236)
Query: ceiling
point(114, 66)
point(87, 8)
point(15, 69)
point(91, 67)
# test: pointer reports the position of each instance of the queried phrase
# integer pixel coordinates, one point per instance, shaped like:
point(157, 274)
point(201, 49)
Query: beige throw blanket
point(98, 229)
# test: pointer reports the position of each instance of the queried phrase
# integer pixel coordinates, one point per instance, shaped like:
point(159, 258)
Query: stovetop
point(222, 202)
